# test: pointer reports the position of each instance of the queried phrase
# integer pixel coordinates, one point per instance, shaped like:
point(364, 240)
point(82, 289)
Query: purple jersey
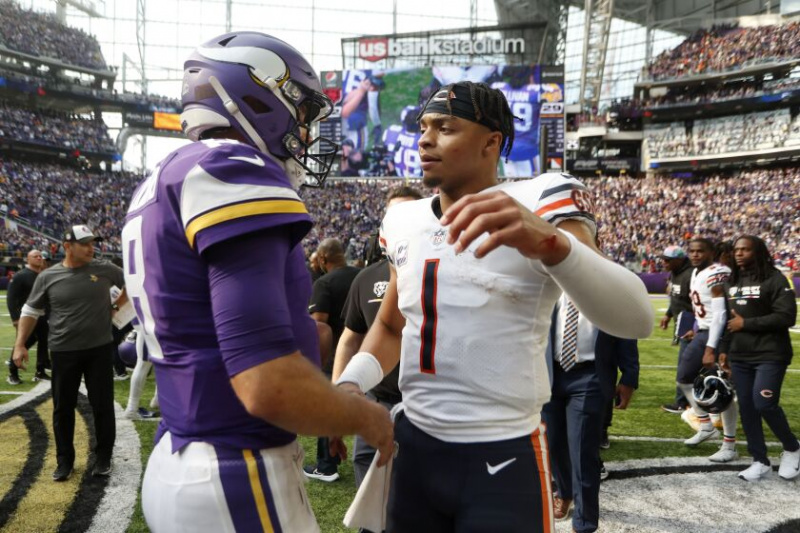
point(202, 194)
point(524, 104)
point(405, 146)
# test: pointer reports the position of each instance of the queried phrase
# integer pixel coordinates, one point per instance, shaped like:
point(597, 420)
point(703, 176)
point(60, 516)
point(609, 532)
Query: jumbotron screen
point(375, 113)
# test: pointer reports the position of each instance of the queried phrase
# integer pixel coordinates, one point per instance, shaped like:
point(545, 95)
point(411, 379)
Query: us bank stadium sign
point(378, 48)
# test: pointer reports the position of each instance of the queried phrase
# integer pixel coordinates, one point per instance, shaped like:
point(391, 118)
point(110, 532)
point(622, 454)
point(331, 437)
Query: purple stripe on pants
point(238, 493)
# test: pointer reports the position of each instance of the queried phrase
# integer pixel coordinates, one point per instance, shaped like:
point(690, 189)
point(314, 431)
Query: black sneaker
point(674, 408)
point(41, 376)
point(13, 380)
point(604, 442)
point(62, 472)
point(311, 472)
point(102, 467)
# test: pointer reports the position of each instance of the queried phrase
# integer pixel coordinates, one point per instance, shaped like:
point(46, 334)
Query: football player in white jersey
point(476, 272)
point(707, 292)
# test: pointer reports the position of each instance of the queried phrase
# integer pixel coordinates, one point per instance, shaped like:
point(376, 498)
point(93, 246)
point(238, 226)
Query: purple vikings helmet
point(408, 116)
point(264, 89)
point(127, 350)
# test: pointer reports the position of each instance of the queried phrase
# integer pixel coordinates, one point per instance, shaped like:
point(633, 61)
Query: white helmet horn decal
point(263, 64)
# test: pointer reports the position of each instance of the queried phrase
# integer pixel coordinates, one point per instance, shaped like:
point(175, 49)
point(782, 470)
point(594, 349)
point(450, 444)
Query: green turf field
point(642, 419)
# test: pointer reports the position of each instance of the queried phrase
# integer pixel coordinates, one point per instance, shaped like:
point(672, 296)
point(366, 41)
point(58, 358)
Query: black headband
point(460, 105)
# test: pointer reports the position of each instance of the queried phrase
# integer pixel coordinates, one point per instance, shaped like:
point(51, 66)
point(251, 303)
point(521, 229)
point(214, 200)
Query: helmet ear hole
point(258, 106)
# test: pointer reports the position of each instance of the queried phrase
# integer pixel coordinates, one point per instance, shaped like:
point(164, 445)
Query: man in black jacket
point(680, 308)
point(18, 291)
point(758, 350)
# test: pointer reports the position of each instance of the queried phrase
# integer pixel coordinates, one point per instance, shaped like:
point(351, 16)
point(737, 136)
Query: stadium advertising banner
point(153, 120)
point(375, 113)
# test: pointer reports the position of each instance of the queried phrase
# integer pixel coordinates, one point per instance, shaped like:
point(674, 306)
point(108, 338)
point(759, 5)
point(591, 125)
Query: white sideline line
point(11, 392)
point(673, 367)
point(676, 440)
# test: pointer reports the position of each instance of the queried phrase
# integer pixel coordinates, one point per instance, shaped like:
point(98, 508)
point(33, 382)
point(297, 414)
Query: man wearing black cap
point(76, 294)
point(676, 262)
point(475, 274)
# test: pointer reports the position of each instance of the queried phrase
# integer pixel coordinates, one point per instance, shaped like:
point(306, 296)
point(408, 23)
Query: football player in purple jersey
point(218, 280)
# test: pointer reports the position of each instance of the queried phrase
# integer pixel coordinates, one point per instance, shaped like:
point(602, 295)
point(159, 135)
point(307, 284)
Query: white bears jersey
point(473, 363)
point(701, 284)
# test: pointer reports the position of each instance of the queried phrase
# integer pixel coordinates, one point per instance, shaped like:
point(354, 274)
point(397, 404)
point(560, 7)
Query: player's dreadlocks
point(490, 106)
point(763, 264)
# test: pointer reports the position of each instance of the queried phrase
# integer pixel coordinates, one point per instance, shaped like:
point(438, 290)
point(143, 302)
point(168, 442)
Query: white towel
point(368, 509)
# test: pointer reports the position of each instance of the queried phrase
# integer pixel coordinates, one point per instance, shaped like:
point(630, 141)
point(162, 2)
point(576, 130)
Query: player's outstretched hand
point(20, 357)
point(378, 430)
point(508, 223)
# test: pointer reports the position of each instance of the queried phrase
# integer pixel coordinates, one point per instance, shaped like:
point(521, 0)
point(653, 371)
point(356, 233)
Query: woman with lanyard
point(758, 349)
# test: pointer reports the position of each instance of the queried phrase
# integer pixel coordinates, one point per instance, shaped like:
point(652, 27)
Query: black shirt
point(679, 288)
point(328, 296)
point(769, 309)
point(18, 291)
point(360, 310)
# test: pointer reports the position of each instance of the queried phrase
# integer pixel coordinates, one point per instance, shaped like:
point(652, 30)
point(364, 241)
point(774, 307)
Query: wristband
point(364, 370)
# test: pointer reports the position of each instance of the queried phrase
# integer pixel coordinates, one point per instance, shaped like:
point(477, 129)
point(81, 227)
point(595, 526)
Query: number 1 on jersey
point(427, 348)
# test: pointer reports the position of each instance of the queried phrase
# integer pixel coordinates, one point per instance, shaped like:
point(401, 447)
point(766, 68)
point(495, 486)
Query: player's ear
point(492, 144)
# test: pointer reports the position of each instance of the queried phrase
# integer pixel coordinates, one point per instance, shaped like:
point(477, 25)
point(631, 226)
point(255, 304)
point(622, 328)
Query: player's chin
point(431, 179)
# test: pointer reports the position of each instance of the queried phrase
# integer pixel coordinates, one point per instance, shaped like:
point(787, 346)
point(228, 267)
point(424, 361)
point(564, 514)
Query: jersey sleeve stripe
point(561, 188)
point(232, 212)
point(555, 205)
point(202, 192)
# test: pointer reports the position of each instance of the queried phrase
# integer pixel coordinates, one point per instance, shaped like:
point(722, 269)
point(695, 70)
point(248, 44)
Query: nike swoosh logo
point(254, 160)
point(496, 468)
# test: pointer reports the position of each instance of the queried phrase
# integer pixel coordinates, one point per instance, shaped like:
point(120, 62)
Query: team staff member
point(18, 291)
point(680, 308)
point(326, 305)
point(583, 362)
point(758, 350)
point(363, 301)
point(76, 294)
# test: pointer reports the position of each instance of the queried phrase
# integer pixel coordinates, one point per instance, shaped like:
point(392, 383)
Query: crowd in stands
point(16, 242)
point(638, 218)
point(701, 94)
point(721, 135)
point(32, 82)
point(724, 48)
point(51, 197)
point(52, 128)
point(41, 34)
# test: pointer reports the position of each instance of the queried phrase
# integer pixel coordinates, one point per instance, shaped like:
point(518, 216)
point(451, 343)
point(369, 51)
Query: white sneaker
point(690, 418)
point(755, 472)
point(790, 465)
point(702, 436)
point(131, 415)
point(724, 455)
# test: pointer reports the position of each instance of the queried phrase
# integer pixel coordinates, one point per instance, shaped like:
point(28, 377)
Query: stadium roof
point(680, 16)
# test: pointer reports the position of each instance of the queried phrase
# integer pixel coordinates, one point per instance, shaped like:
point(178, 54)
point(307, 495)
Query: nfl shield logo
point(438, 237)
